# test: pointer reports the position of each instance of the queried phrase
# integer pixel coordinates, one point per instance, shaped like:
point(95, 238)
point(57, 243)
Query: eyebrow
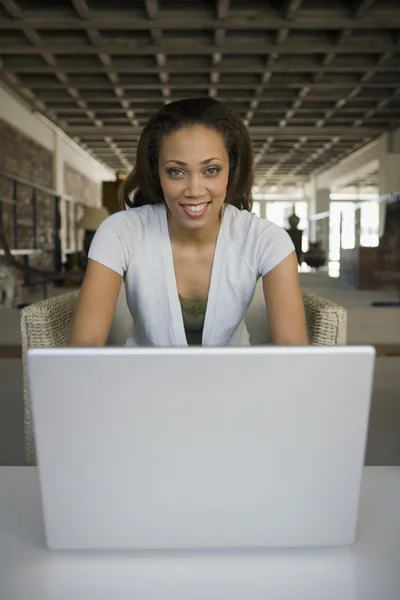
point(203, 162)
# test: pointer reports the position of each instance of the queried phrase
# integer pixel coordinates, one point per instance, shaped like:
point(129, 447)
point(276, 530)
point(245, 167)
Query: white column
point(263, 209)
point(322, 198)
point(58, 165)
point(357, 223)
point(388, 181)
point(389, 173)
point(323, 201)
point(319, 202)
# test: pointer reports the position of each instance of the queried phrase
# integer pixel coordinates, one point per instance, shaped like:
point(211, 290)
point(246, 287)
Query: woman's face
point(194, 169)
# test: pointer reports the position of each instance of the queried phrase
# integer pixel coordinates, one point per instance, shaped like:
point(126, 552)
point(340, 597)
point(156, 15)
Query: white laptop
point(200, 448)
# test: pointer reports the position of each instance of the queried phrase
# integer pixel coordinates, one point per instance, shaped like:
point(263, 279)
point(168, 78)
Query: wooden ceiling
point(313, 79)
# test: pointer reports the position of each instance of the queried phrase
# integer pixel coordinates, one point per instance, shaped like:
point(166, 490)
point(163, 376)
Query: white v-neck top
point(136, 244)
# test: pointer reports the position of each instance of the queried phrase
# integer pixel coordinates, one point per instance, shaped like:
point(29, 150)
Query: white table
point(370, 570)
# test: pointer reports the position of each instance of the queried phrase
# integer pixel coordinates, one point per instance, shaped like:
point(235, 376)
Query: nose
point(195, 187)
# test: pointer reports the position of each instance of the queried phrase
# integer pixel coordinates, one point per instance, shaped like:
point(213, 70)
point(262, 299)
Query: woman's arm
point(284, 302)
point(96, 306)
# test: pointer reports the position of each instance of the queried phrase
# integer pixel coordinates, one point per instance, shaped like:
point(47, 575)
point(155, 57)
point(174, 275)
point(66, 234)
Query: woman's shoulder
point(132, 218)
point(260, 243)
point(122, 237)
point(146, 212)
point(244, 225)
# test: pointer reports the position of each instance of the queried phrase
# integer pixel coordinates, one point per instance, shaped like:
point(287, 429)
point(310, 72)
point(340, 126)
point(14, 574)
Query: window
point(275, 212)
point(341, 228)
point(369, 224)
point(301, 209)
point(279, 213)
point(256, 208)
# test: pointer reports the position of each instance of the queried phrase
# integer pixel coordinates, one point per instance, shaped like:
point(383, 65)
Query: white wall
point(19, 115)
point(389, 164)
point(355, 166)
point(16, 114)
point(389, 174)
point(369, 159)
point(394, 141)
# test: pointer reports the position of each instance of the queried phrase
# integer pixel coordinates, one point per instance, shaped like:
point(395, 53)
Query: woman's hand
point(284, 302)
point(96, 306)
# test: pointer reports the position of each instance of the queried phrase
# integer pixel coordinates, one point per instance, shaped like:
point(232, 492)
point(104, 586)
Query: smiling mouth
point(195, 210)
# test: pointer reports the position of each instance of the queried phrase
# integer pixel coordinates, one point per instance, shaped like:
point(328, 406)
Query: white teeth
point(195, 208)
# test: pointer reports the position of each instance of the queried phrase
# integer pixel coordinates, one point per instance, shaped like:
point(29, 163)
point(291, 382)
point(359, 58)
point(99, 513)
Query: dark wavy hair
point(142, 186)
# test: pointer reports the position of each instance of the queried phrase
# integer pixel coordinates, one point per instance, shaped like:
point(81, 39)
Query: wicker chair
point(47, 324)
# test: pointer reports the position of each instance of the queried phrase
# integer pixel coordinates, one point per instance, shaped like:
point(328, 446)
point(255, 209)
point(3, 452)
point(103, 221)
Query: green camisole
point(193, 313)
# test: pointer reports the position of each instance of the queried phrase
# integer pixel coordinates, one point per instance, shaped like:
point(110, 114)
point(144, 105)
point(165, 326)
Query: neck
point(187, 237)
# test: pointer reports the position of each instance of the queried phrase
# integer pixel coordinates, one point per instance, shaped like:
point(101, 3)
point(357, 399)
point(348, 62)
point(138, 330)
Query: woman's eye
point(212, 171)
point(174, 172)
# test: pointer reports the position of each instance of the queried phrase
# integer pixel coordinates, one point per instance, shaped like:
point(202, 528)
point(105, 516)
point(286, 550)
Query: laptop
point(200, 448)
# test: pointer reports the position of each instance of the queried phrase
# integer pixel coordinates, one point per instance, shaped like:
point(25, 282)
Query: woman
point(188, 247)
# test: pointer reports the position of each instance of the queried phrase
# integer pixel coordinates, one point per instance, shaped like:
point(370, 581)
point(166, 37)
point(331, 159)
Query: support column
point(357, 227)
point(319, 203)
point(58, 185)
point(388, 181)
point(263, 209)
point(58, 166)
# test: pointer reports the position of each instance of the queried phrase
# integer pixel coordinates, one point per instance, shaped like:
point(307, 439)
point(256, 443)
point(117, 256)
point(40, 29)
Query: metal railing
point(59, 233)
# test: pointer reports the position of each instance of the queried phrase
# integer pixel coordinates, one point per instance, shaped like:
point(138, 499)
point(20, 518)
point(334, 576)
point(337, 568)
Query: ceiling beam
point(380, 109)
point(270, 98)
point(151, 9)
point(37, 103)
point(81, 8)
point(14, 82)
point(278, 164)
point(353, 93)
point(289, 114)
point(292, 6)
point(73, 110)
point(179, 49)
point(223, 8)
point(11, 8)
point(113, 77)
point(128, 23)
point(312, 157)
point(219, 38)
point(362, 8)
point(322, 132)
point(178, 69)
point(282, 36)
point(118, 118)
point(319, 108)
point(293, 85)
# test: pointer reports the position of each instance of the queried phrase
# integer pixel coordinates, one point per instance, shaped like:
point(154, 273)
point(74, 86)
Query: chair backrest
point(47, 324)
point(326, 321)
point(44, 324)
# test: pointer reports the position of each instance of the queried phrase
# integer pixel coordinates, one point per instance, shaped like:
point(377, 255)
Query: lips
point(195, 210)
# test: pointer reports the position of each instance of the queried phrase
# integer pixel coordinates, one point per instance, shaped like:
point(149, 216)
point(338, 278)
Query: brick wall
point(80, 187)
point(84, 190)
point(21, 156)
